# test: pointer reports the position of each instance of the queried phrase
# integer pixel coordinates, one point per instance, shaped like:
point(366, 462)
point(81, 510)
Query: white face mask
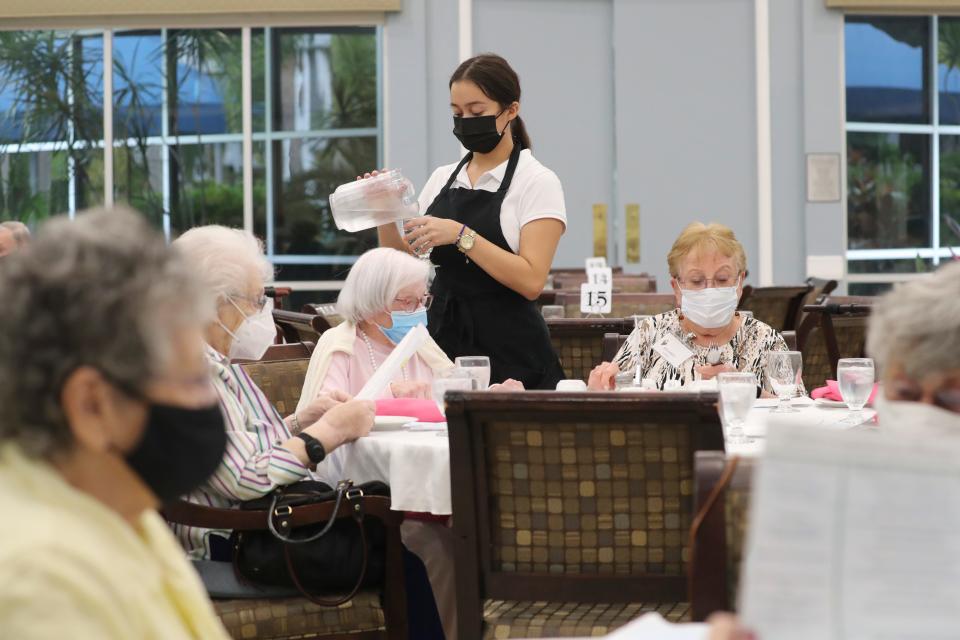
point(254, 335)
point(710, 308)
point(916, 418)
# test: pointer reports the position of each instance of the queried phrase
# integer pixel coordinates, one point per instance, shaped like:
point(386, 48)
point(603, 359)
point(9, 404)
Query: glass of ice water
point(455, 379)
point(855, 377)
point(479, 368)
point(738, 392)
point(424, 255)
point(784, 370)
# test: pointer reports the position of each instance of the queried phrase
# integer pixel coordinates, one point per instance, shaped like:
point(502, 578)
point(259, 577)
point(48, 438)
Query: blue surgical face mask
point(403, 323)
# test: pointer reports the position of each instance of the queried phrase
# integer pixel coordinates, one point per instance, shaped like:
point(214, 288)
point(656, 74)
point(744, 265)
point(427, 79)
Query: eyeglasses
point(697, 283)
point(946, 398)
point(412, 304)
point(258, 301)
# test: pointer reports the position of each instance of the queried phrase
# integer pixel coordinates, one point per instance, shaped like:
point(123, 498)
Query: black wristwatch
point(315, 450)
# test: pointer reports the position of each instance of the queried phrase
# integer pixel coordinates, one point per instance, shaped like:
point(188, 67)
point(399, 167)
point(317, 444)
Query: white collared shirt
point(534, 194)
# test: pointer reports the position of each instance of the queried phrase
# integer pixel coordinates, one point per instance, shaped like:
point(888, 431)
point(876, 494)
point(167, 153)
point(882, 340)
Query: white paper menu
point(854, 535)
point(391, 366)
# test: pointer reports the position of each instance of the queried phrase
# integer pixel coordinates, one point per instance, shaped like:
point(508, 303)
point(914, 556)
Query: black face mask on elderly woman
point(180, 447)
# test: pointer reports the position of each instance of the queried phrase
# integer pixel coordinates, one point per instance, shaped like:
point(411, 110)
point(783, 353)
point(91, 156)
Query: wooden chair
point(776, 306)
point(611, 345)
point(624, 304)
point(819, 290)
point(300, 327)
point(248, 611)
point(641, 283)
point(284, 351)
point(280, 380)
point(579, 342)
point(279, 295)
point(572, 510)
point(831, 331)
point(719, 540)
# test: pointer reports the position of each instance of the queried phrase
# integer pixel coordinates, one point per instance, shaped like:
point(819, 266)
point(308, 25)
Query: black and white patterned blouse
point(746, 351)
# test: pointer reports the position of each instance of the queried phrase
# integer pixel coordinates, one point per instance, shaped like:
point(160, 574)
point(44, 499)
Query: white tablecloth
point(808, 414)
point(415, 462)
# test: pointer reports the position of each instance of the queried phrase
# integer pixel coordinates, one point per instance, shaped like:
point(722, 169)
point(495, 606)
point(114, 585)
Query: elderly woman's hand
point(601, 378)
point(711, 371)
point(427, 232)
point(410, 389)
point(507, 385)
point(344, 423)
point(320, 405)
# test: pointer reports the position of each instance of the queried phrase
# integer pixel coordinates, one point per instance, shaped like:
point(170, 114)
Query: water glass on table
point(478, 367)
point(424, 255)
point(455, 379)
point(785, 370)
point(738, 392)
point(855, 376)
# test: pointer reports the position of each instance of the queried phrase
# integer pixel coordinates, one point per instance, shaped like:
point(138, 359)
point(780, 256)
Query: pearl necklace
point(373, 361)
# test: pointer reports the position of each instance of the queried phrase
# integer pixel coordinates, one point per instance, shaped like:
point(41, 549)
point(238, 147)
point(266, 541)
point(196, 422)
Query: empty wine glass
point(553, 311)
point(479, 368)
point(855, 377)
point(455, 379)
point(784, 370)
point(738, 392)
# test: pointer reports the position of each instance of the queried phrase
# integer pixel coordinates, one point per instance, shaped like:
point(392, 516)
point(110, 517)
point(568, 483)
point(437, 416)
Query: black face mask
point(478, 134)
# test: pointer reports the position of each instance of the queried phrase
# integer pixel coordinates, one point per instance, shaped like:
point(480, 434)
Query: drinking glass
point(855, 377)
point(426, 254)
point(479, 368)
point(553, 311)
point(738, 392)
point(455, 379)
point(784, 369)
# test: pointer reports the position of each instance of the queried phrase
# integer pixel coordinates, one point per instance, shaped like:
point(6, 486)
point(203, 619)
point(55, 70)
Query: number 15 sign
point(595, 298)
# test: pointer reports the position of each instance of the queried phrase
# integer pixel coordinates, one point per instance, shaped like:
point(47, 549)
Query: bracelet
point(296, 423)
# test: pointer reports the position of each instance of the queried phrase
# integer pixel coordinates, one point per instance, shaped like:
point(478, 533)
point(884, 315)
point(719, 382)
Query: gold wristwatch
point(466, 239)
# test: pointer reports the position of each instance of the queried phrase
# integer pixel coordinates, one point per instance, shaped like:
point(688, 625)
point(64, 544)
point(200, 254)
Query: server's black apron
point(473, 314)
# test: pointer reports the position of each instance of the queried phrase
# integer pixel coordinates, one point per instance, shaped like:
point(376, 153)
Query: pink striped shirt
point(254, 463)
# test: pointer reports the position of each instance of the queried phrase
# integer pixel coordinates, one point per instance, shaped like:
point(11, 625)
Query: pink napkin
point(422, 410)
point(832, 392)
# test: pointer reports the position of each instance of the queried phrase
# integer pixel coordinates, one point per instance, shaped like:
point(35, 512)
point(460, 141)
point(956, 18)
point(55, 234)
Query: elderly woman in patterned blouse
point(707, 264)
point(264, 449)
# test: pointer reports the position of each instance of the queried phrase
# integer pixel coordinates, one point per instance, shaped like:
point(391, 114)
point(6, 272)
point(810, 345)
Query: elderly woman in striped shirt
point(264, 450)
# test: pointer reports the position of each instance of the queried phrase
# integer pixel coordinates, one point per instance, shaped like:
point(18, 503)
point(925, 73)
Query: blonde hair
point(697, 235)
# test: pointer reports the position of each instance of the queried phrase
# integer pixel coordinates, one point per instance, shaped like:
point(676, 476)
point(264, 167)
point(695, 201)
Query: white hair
point(226, 259)
point(20, 231)
point(375, 280)
point(917, 325)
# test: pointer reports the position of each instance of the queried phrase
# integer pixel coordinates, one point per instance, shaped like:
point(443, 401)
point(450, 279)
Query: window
point(177, 131)
point(903, 147)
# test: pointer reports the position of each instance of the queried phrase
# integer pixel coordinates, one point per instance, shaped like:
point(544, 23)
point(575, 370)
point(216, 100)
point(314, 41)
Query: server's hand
point(426, 232)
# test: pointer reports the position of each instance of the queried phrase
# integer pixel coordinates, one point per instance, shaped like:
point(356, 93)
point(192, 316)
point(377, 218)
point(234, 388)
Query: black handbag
point(335, 556)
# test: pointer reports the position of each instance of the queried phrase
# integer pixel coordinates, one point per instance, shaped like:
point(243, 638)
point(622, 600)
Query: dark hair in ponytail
point(498, 81)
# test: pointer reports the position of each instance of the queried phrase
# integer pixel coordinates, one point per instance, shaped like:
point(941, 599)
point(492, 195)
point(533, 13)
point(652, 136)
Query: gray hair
point(375, 280)
point(102, 291)
point(20, 231)
point(917, 324)
point(225, 259)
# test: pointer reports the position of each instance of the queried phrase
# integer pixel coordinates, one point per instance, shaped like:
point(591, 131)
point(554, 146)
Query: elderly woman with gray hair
point(106, 411)
point(264, 450)
point(914, 339)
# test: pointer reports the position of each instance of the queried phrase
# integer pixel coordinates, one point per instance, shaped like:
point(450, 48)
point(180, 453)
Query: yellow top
point(72, 568)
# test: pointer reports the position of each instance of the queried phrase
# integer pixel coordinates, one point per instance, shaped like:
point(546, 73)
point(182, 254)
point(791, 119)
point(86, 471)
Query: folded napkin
point(832, 392)
point(422, 410)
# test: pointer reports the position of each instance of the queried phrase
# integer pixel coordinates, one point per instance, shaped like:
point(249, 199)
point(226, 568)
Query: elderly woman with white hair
point(264, 450)
point(914, 339)
point(384, 297)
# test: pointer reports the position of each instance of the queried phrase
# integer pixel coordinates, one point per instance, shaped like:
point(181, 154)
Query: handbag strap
point(358, 515)
point(283, 513)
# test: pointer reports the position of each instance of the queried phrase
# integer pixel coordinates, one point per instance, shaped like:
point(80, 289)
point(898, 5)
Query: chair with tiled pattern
point(724, 485)
point(830, 331)
point(639, 283)
point(579, 342)
point(572, 510)
point(280, 380)
point(775, 306)
point(300, 327)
